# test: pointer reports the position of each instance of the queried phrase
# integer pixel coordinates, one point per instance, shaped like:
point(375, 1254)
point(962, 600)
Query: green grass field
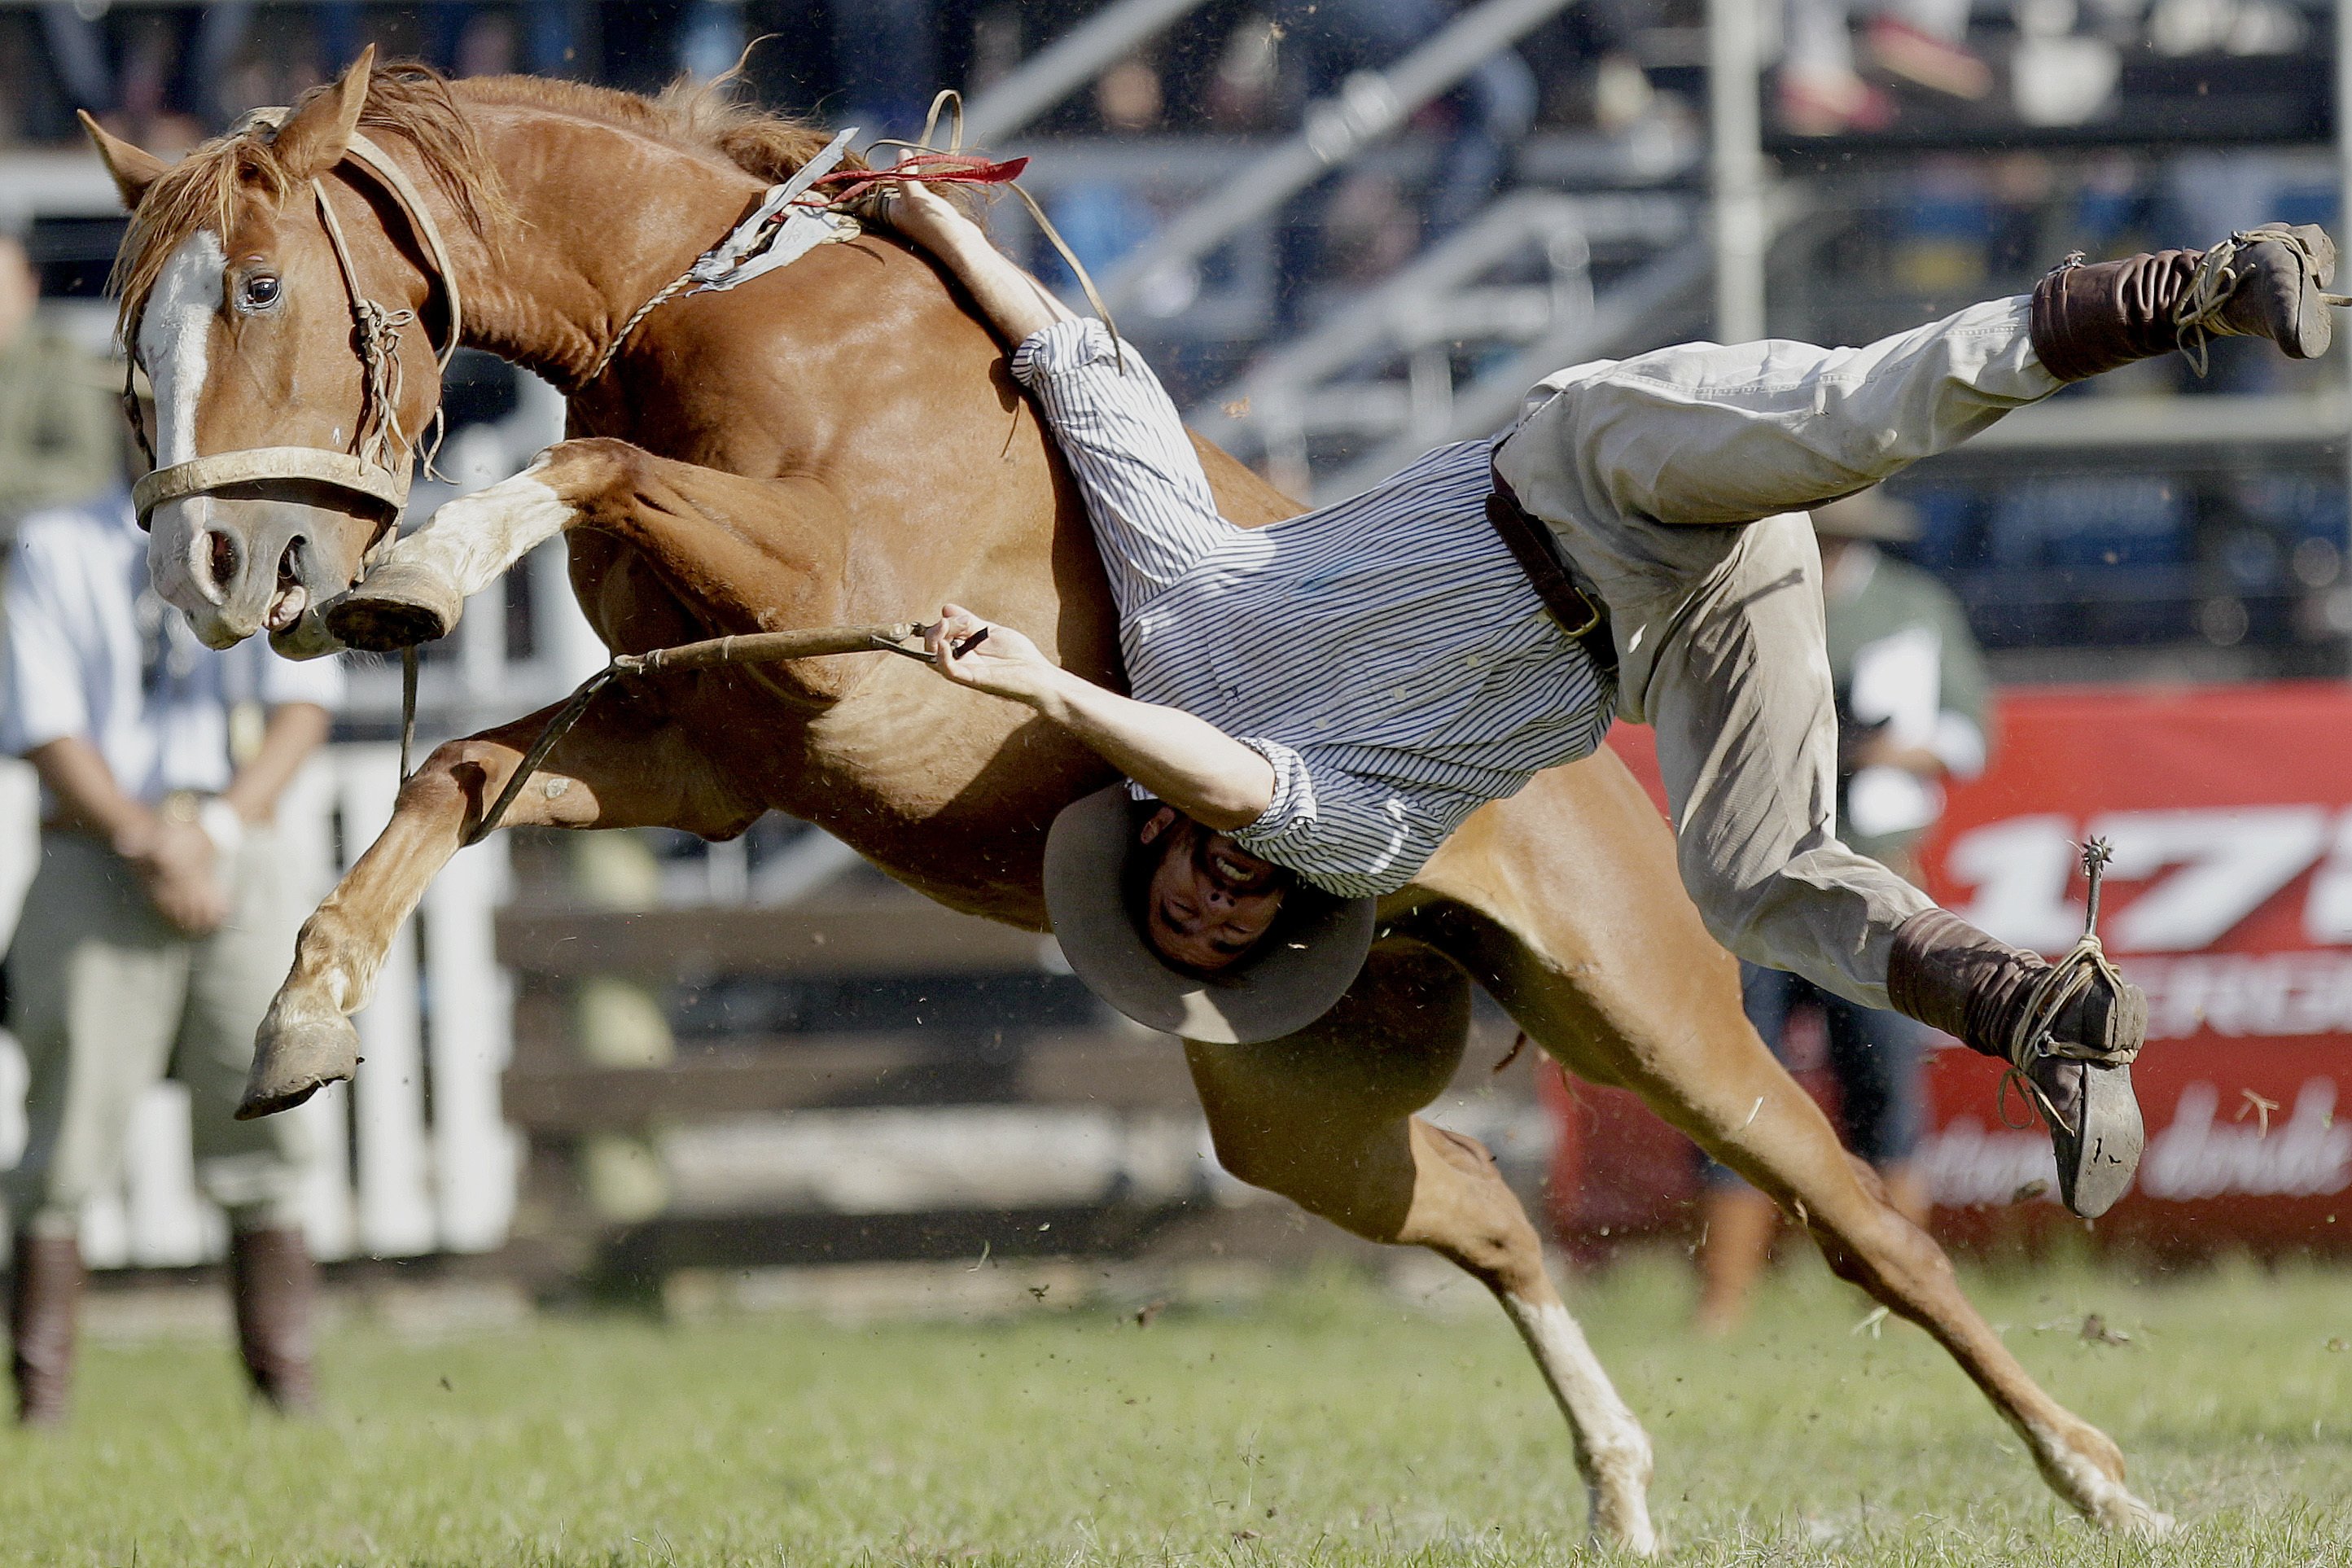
point(1330, 1422)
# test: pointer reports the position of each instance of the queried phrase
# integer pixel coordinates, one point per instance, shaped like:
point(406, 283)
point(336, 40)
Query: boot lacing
point(2058, 987)
point(2198, 317)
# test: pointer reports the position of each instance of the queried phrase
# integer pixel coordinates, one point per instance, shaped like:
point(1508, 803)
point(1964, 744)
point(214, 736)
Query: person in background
point(1922, 42)
point(1912, 696)
point(152, 73)
point(157, 927)
point(1335, 41)
point(57, 424)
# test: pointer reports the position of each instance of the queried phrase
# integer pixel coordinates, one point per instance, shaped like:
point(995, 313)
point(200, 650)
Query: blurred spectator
point(888, 54)
point(60, 430)
point(157, 928)
point(153, 74)
point(1820, 93)
point(1912, 694)
point(885, 52)
point(1493, 107)
point(1102, 220)
point(465, 39)
point(1334, 40)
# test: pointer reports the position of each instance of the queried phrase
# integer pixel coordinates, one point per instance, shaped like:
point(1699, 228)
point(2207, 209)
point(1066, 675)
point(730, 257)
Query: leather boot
point(1951, 976)
point(2268, 282)
point(43, 1293)
point(274, 1283)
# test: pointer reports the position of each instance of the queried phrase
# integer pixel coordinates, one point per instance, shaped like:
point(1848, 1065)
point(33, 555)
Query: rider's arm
point(1011, 300)
point(1147, 498)
point(1185, 761)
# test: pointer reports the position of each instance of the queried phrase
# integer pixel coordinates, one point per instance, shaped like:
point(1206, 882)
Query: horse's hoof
point(293, 1059)
point(394, 606)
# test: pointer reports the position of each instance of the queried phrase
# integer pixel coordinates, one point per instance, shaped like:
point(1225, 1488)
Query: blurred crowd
point(1892, 243)
point(167, 74)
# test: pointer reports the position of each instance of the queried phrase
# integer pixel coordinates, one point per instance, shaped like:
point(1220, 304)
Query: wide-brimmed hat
point(1869, 514)
point(1306, 963)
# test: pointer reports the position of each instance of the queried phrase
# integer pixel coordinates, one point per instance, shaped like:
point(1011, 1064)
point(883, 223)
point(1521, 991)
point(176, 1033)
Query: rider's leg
point(1639, 464)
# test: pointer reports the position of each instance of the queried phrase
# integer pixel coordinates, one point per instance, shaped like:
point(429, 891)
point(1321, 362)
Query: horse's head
point(290, 381)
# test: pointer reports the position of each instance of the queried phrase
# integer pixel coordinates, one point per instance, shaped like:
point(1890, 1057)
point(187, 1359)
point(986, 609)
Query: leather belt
point(1580, 612)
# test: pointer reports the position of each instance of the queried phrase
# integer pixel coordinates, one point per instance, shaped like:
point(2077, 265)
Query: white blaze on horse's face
point(175, 340)
point(175, 345)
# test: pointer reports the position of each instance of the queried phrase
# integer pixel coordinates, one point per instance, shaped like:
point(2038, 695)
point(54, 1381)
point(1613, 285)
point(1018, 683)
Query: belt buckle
point(1591, 615)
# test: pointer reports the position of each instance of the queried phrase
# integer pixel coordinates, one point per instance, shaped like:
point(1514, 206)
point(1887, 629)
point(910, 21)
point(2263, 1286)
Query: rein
point(755, 648)
point(376, 469)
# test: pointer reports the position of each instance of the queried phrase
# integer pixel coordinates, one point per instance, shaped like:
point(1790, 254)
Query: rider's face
point(1208, 901)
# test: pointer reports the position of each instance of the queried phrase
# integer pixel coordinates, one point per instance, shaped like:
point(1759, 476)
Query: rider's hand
point(995, 659)
point(918, 212)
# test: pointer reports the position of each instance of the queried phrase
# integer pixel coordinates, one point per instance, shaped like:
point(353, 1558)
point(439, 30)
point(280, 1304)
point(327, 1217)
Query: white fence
point(416, 1157)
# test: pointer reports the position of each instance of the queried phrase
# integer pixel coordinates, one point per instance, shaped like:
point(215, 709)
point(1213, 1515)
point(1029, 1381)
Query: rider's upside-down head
point(1201, 901)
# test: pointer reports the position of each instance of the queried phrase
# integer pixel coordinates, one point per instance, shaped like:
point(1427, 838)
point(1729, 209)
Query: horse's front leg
point(749, 554)
point(623, 765)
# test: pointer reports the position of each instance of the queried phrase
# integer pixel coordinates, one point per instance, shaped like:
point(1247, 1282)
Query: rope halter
point(376, 469)
point(2052, 992)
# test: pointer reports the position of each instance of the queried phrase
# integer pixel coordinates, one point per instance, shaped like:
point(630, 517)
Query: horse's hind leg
point(623, 764)
point(1325, 1119)
point(1642, 996)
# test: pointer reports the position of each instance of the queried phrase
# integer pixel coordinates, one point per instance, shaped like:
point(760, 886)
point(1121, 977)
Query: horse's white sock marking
point(474, 538)
point(2105, 1502)
point(1612, 1442)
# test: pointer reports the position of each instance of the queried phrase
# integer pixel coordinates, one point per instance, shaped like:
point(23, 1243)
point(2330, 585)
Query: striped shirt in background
point(1386, 655)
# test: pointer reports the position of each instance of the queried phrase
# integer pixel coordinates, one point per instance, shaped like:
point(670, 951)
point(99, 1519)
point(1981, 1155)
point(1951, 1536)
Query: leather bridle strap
point(259, 465)
point(377, 471)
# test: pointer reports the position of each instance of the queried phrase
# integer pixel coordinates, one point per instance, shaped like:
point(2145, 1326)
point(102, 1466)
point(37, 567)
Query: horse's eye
point(260, 292)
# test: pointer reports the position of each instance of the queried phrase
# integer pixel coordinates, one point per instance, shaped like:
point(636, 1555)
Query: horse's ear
point(316, 138)
point(134, 169)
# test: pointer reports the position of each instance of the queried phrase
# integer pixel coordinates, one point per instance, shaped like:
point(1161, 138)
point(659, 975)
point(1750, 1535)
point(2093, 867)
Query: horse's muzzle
point(235, 565)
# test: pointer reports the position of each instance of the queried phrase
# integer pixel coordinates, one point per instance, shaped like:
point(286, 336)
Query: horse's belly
point(947, 790)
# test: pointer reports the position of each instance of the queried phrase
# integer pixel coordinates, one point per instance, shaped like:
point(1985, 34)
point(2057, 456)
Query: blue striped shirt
point(1386, 655)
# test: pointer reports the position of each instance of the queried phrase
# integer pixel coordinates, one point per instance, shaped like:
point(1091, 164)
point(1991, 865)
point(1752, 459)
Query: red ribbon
point(925, 168)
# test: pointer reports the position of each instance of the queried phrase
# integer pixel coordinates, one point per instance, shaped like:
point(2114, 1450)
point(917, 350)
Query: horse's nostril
point(220, 560)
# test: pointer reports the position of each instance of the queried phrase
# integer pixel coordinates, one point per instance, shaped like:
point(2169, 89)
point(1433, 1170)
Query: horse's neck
point(605, 218)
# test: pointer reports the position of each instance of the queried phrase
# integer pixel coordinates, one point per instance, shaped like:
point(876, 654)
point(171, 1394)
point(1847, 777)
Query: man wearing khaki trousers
point(156, 928)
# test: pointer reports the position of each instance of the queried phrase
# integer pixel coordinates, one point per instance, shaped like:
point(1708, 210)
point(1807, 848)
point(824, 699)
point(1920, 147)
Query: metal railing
point(1412, 331)
point(1369, 107)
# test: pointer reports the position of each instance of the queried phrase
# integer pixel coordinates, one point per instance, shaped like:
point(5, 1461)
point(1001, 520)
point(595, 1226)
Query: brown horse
point(839, 442)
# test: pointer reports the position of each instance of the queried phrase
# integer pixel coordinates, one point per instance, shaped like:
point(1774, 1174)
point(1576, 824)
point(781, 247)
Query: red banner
point(2229, 901)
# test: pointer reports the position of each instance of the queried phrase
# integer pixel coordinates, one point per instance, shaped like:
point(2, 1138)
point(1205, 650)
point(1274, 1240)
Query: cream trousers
point(1676, 483)
point(107, 999)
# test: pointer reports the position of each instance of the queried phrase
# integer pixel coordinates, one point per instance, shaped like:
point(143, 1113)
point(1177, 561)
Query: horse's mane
point(416, 104)
point(696, 117)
